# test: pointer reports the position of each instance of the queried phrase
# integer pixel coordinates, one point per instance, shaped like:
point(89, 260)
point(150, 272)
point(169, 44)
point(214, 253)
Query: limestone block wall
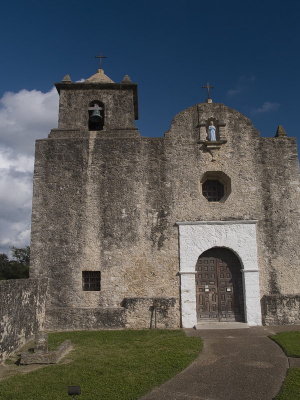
point(280, 221)
point(63, 318)
point(96, 207)
point(281, 309)
point(111, 204)
point(76, 97)
point(145, 312)
point(264, 174)
point(22, 312)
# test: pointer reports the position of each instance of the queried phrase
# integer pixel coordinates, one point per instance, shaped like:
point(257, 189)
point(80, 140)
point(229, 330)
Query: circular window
point(216, 186)
point(213, 190)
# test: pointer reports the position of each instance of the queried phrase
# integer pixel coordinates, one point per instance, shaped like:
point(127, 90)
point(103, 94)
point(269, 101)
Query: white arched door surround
point(199, 236)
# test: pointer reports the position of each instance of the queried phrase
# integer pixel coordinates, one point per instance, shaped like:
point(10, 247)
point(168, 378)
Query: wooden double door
point(219, 286)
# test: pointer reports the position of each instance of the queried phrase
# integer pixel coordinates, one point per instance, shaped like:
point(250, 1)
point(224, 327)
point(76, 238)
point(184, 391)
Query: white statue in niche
point(212, 137)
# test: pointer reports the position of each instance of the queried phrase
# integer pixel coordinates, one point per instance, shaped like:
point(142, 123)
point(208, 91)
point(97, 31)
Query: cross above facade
point(208, 87)
point(101, 57)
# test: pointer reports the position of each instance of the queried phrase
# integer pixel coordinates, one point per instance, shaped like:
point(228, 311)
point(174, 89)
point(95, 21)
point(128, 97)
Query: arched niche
point(215, 122)
point(96, 116)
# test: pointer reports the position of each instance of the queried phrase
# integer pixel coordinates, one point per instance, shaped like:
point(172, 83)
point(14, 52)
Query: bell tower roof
point(100, 77)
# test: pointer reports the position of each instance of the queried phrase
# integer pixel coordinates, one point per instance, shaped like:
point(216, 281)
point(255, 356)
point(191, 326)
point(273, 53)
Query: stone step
point(221, 325)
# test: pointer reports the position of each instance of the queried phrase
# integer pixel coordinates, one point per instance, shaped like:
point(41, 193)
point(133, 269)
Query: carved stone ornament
point(211, 136)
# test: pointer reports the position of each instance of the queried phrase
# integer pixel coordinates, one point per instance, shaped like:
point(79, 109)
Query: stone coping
point(46, 357)
point(229, 222)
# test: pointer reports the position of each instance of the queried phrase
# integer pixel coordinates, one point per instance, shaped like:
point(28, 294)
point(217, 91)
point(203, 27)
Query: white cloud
point(242, 83)
point(266, 107)
point(233, 92)
point(24, 117)
point(18, 162)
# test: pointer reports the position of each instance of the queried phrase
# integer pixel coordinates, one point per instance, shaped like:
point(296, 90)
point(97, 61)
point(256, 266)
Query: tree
point(21, 255)
point(3, 259)
point(16, 268)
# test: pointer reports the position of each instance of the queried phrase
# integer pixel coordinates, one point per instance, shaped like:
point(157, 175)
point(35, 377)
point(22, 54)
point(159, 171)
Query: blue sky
point(170, 48)
point(249, 51)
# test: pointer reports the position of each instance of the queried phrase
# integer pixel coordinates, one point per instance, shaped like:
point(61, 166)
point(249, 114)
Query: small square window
point(91, 280)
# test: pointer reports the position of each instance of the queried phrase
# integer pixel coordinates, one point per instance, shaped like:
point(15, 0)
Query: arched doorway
point(219, 286)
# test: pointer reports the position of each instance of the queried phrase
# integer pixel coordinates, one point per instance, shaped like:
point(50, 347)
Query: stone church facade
point(164, 232)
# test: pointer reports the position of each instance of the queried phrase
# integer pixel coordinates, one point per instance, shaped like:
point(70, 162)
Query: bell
point(96, 116)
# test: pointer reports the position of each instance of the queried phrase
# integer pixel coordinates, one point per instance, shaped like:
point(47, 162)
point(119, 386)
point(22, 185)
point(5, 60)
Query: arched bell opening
point(96, 116)
point(219, 286)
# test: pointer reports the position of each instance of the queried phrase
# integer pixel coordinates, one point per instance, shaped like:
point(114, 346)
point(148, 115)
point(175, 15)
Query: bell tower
point(97, 104)
point(73, 186)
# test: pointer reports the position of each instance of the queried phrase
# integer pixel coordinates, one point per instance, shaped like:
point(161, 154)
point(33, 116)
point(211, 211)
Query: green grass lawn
point(290, 343)
point(291, 386)
point(108, 365)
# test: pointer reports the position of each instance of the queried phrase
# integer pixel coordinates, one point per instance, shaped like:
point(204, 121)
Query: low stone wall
point(281, 309)
point(48, 357)
point(22, 312)
point(65, 318)
point(156, 312)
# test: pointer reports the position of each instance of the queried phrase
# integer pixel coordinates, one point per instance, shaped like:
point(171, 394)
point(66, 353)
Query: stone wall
point(84, 318)
point(143, 313)
point(279, 233)
point(281, 309)
point(96, 207)
point(22, 312)
point(111, 204)
point(76, 97)
point(134, 313)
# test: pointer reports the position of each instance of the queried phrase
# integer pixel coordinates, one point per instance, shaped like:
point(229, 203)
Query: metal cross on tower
point(101, 57)
point(208, 87)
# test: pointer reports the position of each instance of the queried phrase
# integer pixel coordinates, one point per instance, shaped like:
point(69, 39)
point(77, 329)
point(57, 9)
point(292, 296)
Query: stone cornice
point(231, 222)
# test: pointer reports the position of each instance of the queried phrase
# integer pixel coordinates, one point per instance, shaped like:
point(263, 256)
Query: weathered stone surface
point(148, 312)
point(21, 313)
point(280, 131)
point(109, 201)
point(281, 309)
point(46, 357)
point(84, 318)
point(120, 101)
point(41, 341)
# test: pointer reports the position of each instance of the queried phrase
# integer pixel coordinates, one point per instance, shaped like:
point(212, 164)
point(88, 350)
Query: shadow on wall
point(151, 312)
